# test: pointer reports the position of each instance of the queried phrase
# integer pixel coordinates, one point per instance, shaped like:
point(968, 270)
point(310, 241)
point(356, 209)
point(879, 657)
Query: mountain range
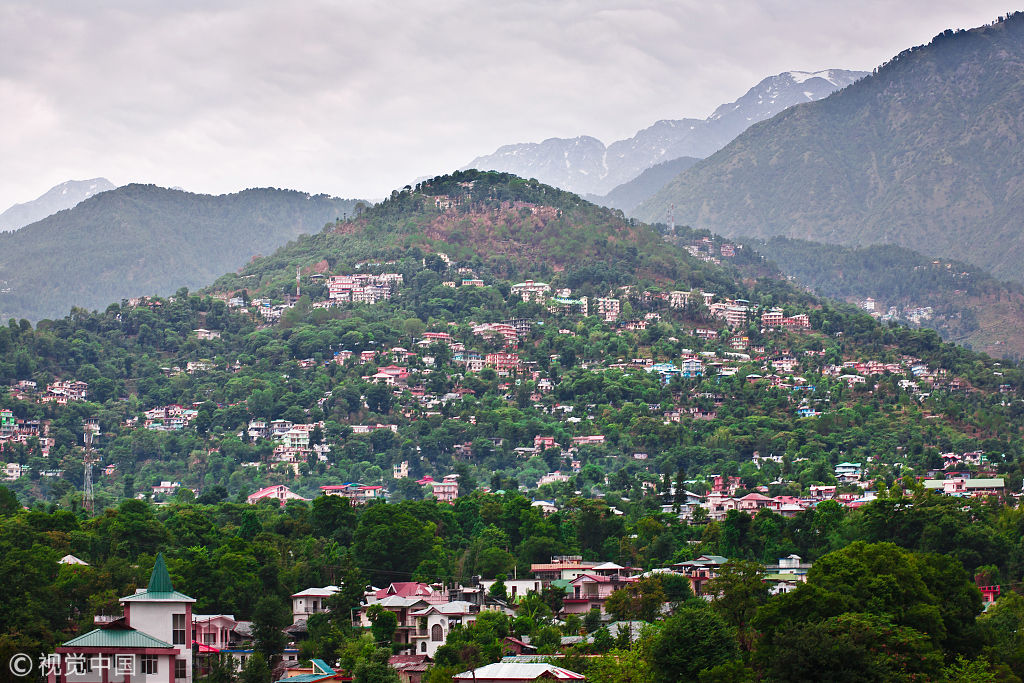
point(925, 153)
point(143, 239)
point(57, 198)
point(586, 166)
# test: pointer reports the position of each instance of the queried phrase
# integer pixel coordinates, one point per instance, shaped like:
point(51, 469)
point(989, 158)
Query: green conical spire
point(160, 580)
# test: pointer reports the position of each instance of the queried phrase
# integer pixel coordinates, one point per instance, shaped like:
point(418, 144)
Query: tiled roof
point(116, 637)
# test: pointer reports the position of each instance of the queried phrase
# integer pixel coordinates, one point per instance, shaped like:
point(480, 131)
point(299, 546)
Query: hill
point(963, 303)
point(143, 239)
point(585, 165)
point(57, 198)
point(498, 224)
point(472, 428)
point(925, 153)
point(629, 195)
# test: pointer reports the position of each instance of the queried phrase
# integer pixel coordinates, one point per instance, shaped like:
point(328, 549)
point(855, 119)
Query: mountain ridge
point(586, 166)
point(921, 154)
point(57, 198)
point(143, 239)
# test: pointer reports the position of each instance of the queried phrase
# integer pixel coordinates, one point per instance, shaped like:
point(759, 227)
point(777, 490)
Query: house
point(206, 335)
point(410, 668)
point(518, 672)
point(591, 590)
point(71, 559)
point(434, 622)
point(530, 290)
point(317, 671)
point(311, 601)
point(214, 631)
point(700, 571)
point(14, 471)
point(278, 492)
point(447, 490)
point(149, 643)
point(848, 473)
point(963, 487)
point(503, 363)
point(607, 308)
point(561, 568)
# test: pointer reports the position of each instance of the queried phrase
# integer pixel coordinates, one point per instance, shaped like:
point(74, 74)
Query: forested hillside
point(593, 413)
point(141, 239)
point(963, 303)
point(888, 160)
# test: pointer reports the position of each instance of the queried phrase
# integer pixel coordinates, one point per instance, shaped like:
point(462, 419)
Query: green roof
point(160, 580)
point(160, 587)
point(116, 637)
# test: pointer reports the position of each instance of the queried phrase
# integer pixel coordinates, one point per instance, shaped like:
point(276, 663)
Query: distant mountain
point(57, 198)
point(927, 153)
point(142, 239)
point(629, 195)
point(961, 302)
point(585, 166)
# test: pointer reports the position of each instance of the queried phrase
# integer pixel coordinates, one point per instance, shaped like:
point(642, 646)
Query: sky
point(357, 98)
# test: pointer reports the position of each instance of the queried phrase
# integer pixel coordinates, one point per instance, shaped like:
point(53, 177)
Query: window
point(208, 638)
point(423, 646)
point(178, 629)
point(149, 664)
point(436, 633)
point(179, 668)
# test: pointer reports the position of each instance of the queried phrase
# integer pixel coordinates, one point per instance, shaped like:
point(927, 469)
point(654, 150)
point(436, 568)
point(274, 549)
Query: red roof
point(405, 589)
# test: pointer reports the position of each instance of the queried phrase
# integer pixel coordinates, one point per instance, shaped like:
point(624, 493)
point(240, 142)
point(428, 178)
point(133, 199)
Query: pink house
point(591, 590)
point(278, 492)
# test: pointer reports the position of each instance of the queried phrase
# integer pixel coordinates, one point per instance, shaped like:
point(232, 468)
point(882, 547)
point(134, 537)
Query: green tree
point(269, 618)
point(694, 639)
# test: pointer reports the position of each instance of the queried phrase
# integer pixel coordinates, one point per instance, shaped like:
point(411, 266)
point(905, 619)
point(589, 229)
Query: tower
point(88, 500)
point(298, 290)
point(672, 219)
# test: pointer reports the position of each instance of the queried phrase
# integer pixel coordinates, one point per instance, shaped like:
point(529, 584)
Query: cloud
point(355, 98)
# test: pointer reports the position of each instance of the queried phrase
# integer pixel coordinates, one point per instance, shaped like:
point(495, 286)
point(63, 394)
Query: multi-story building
point(607, 308)
point(148, 644)
point(531, 291)
point(503, 363)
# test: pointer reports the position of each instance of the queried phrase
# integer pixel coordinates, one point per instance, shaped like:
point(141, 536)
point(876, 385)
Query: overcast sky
point(357, 98)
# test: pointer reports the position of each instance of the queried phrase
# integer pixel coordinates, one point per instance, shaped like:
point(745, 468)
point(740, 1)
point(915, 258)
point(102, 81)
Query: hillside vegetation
point(967, 305)
point(142, 239)
point(925, 153)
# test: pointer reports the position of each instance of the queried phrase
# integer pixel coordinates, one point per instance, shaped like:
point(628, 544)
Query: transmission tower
point(298, 285)
point(89, 501)
point(672, 219)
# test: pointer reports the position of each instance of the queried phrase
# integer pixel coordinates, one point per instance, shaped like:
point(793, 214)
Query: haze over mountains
point(142, 239)
point(926, 153)
point(586, 166)
point(57, 198)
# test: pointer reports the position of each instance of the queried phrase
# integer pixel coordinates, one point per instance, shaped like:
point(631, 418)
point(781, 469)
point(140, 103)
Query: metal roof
point(521, 671)
point(116, 637)
point(150, 596)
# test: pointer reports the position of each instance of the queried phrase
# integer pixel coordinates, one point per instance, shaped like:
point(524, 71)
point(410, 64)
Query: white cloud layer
point(357, 98)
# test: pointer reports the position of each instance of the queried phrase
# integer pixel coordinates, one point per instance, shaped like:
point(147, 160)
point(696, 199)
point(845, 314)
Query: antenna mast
point(672, 218)
point(89, 501)
point(298, 289)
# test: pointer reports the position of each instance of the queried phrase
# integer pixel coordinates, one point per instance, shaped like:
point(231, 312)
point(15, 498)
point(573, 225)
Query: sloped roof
point(519, 671)
point(160, 588)
point(116, 637)
point(325, 592)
